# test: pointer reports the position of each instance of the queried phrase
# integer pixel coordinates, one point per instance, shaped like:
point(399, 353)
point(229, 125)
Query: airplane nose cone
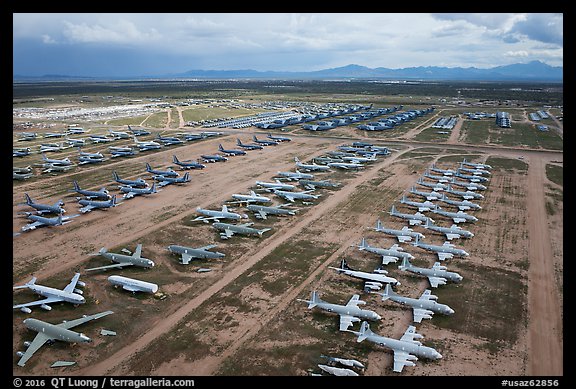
point(450, 311)
point(85, 338)
point(378, 317)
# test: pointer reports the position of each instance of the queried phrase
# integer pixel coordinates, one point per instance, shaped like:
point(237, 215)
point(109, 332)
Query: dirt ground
point(265, 322)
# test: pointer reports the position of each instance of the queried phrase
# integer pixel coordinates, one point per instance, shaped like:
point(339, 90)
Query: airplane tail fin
point(220, 147)
point(344, 265)
point(175, 160)
point(238, 142)
point(187, 176)
point(113, 200)
point(115, 175)
point(378, 225)
point(148, 167)
point(314, 299)
point(254, 138)
point(260, 232)
point(387, 292)
point(363, 244)
point(76, 187)
point(29, 283)
point(405, 264)
point(153, 188)
point(296, 159)
point(364, 332)
point(393, 209)
point(28, 199)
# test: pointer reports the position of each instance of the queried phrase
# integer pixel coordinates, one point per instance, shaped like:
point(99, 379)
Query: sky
point(124, 44)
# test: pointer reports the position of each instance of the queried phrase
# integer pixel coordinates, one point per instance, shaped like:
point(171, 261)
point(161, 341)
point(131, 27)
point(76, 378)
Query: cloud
point(122, 31)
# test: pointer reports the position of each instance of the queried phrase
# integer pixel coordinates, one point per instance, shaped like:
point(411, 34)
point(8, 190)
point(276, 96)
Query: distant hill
point(532, 71)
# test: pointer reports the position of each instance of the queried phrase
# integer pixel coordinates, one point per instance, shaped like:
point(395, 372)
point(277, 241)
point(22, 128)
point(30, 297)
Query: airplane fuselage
point(409, 347)
point(350, 311)
point(196, 253)
point(219, 214)
point(121, 258)
point(55, 332)
point(442, 249)
point(47, 291)
point(451, 276)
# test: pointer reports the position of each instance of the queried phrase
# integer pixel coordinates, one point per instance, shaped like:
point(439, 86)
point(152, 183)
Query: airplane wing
point(404, 238)
point(395, 247)
point(401, 359)
point(415, 222)
point(451, 236)
point(458, 219)
point(228, 233)
point(73, 323)
point(129, 195)
point(186, 258)
point(210, 246)
point(435, 281)
point(355, 301)
point(420, 314)
point(138, 251)
point(346, 321)
point(262, 214)
point(87, 208)
point(116, 265)
point(444, 256)
point(410, 334)
point(205, 219)
point(386, 259)
point(33, 225)
point(131, 288)
point(289, 198)
point(47, 300)
point(38, 342)
point(70, 287)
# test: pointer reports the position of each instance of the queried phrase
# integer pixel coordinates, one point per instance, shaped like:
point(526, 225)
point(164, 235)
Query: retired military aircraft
point(130, 191)
point(230, 152)
point(163, 180)
point(188, 164)
point(427, 195)
point(461, 205)
point(123, 260)
point(458, 217)
point(423, 307)
point(372, 281)
point(248, 146)
point(437, 274)
point(261, 211)
point(278, 138)
point(295, 175)
point(146, 145)
point(476, 165)
point(413, 219)
point(213, 158)
point(92, 194)
point(167, 173)
point(311, 185)
point(189, 253)
point(251, 198)
point(243, 229)
point(264, 142)
point(421, 206)
point(445, 251)
point(275, 185)
point(466, 195)
point(215, 215)
point(40, 221)
point(118, 151)
point(139, 183)
point(89, 205)
point(118, 134)
point(43, 208)
point(169, 140)
point(404, 235)
point(69, 294)
point(392, 254)
point(311, 166)
point(452, 232)
point(291, 196)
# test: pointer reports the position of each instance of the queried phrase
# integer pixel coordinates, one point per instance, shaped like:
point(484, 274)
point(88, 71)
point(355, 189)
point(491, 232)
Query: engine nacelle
point(81, 283)
point(20, 354)
point(27, 344)
point(78, 291)
point(46, 307)
point(380, 271)
point(26, 310)
point(371, 287)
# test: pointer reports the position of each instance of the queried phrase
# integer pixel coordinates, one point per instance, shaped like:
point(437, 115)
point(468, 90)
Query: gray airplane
point(467, 195)
point(452, 232)
point(446, 251)
point(187, 164)
point(264, 142)
point(19, 175)
point(248, 146)
point(343, 361)
point(346, 165)
point(89, 205)
point(121, 151)
point(217, 215)
point(251, 198)
point(167, 173)
point(213, 158)
point(406, 349)
point(372, 281)
point(169, 140)
point(427, 195)
point(413, 219)
point(146, 145)
point(261, 211)
point(468, 185)
point(83, 160)
point(326, 160)
point(92, 194)
point(230, 152)
point(392, 254)
point(291, 196)
point(130, 192)
point(462, 205)
point(58, 162)
point(100, 138)
point(40, 221)
point(311, 185)
point(139, 183)
point(295, 176)
point(118, 134)
point(188, 253)
point(471, 178)
point(475, 171)
point(310, 166)
point(349, 313)
point(446, 172)
point(422, 206)
point(69, 294)
point(275, 185)
point(48, 332)
point(49, 168)
point(458, 217)
point(20, 151)
point(163, 180)
point(76, 141)
point(437, 274)
point(338, 371)
point(123, 260)
point(97, 155)
point(475, 165)
point(138, 131)
point(43, 208)
point(441, 179)
point(436, 186)
point(278, 138)
point(423, 307)
point(404, 235)
point(243, 229)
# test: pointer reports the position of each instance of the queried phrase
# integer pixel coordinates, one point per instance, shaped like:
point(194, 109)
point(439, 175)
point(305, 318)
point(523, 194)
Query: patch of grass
point(555, 174)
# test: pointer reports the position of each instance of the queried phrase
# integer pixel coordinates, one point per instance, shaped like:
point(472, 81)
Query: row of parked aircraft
point(407, 350)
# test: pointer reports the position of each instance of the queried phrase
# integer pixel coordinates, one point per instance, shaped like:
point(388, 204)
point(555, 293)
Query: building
point(503, 119)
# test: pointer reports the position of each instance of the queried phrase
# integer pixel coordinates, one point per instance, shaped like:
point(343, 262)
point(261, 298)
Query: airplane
point(404, 235)
point(436, 186)
point(49, 168)
point(264, 142)
point(458, 217)
point(133, 285)
point(21, 175)
point(356, 159)
point(89, 205)
point(92, 155)
point(275, 185)
point(217, 215)
point(406, 349)
point(84, 160)
point(58, 162)
point(261, 211)
point(138, 132)
point(338, 371)
point(392, 254)
point(346, 166)
point(244, 229)
point(311, 167)
point(91, 194)
point(213, 158)
point(372, 281)
point(27, 136)
point(422, 206)
point(291, 196)
point(349, 313)
point(427, 195)
point(468, 195)
point(22, 170)
point(446, 251)
point(48, 332)
point(76, 130)
point(471, 178)
point(251, 198)
point(437, 274)
point(54, 135)
point(188, 164)
point(146, 145)
point(248, 146)
point(100, 139)
point(167, 173)
point(43, 208)
point(413, 219)
point(442, 179)
point(446, 172)
point(40, 221)
point(326, 160)
point(295, 176)
point(139, 183)
point(119, 134)
point(230, 152)
point(423, 307)
point(123, 260)
point(20, 151)
point(52, 295)
point(452, 232)
point(130, 192)
point(163, 180)
point(169, 140)
point(311, 185)
point(78, 142)
point(188, 253)
point(462, 205)
point(471, 186)
point(345, 362)
point(53, 147)
point(278, 138)
point(476, 165)
point(475, 171)
point(117, 151)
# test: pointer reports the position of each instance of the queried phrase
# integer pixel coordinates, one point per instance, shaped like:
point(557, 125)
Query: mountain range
point(532, 71)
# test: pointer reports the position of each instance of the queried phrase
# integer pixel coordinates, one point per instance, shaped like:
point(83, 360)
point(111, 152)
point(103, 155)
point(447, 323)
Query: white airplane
point(338, 371)
point(445, 251)
point(452, 232)
point(475, 165)
point(48, 332)
point(133, 285)
point(423, 307)
point(372, 281)
point(422, 206)
point(217, 215)
point(119, 134)
point(458, 217)
point(251, 198)
point(52, 295)
point(100, 139)
point(122, 260)
point(311, 167)
point(437, 274)
point(146, 145)
point(291, 196)
point(275, 185)
point(404, 235)
point(346, 165)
